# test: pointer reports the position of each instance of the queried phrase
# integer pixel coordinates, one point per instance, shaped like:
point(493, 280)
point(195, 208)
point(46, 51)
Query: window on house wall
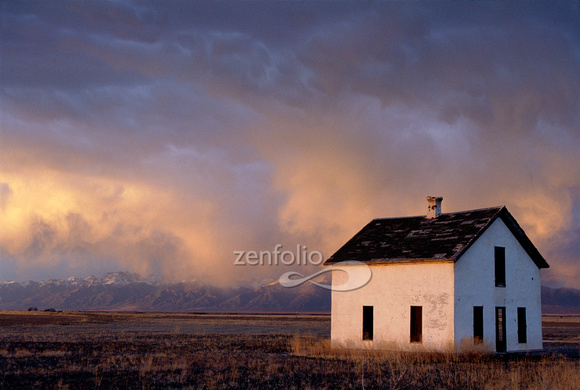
point(499, 266)
point(522, 326)
point(416, 324)
point(478, 324)
point(367, 323)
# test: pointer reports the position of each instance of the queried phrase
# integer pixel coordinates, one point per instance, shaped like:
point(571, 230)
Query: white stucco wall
point(475, 286)
point(393, 289)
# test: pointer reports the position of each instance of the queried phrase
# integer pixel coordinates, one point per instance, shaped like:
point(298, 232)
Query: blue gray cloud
point(161, 136)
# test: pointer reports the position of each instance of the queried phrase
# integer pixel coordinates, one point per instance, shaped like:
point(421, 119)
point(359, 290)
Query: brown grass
point(475, 368)
point(138, 351)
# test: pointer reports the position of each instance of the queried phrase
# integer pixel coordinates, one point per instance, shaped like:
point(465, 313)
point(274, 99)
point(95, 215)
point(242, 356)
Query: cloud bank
point(160, 137)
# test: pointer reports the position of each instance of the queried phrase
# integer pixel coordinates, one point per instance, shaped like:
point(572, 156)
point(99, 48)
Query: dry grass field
point(174, 351)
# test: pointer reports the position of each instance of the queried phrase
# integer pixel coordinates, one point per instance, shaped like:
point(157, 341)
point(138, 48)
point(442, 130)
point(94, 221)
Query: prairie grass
point(476, 367)
point(115, 354)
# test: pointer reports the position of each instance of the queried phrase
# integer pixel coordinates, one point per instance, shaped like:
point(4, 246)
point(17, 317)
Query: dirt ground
point(561, 334)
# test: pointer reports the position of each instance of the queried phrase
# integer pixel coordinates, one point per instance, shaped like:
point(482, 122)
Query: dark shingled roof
point(446, 237)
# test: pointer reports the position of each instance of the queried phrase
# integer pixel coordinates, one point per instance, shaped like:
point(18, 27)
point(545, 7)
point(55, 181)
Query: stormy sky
point(160, 137)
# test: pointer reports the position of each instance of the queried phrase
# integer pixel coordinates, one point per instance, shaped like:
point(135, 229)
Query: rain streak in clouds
point(159, 137)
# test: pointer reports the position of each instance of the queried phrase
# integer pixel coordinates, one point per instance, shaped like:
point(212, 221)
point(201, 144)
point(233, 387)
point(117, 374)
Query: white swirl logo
point(359, 274)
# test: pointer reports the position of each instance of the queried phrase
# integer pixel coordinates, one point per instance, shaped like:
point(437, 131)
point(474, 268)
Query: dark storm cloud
point(163, 136)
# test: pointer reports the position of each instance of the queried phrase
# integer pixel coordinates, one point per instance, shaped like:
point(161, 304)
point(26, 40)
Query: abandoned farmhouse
point(441, 280)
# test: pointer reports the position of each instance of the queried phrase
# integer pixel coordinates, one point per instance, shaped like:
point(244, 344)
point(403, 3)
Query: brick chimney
point(433, 206)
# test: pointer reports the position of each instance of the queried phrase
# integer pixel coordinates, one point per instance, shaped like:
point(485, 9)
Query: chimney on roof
point(433, 206)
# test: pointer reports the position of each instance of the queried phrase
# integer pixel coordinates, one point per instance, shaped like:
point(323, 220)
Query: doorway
point(500, 339)
point(416, 324)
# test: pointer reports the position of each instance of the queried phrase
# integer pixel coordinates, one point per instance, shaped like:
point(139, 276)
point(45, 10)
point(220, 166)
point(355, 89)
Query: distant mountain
point(560, 300)
point(131, 292)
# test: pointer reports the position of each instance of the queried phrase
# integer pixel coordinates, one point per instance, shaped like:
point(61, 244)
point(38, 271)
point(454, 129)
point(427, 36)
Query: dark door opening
point(500, 333)
point(416, 324)
point(367, 323)
point(522, 326)
point(477, 324)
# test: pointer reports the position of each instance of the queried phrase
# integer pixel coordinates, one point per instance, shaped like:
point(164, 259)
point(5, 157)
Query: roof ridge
point(453, 212)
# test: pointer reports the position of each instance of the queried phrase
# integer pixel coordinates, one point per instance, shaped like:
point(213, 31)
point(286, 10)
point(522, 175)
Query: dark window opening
point(522, 327)
point(499, 266)
point(367, 323)
point(416, 324)
point(500, 333)
point(478, 324)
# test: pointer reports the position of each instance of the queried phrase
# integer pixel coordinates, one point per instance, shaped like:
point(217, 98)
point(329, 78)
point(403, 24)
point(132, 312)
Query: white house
point(440, 280)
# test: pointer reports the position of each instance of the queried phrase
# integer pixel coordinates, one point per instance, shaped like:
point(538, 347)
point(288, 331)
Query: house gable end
point(517, 232)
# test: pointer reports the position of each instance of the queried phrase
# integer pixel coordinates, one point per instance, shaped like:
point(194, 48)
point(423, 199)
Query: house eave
point(523, 239)
point(391, 262)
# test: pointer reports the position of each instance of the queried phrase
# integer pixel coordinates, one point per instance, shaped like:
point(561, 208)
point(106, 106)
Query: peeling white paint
point(393, 289)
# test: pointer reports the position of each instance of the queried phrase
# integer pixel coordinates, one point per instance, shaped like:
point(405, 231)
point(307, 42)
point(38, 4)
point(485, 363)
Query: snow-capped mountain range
point(131, 292)
point(110, 278)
